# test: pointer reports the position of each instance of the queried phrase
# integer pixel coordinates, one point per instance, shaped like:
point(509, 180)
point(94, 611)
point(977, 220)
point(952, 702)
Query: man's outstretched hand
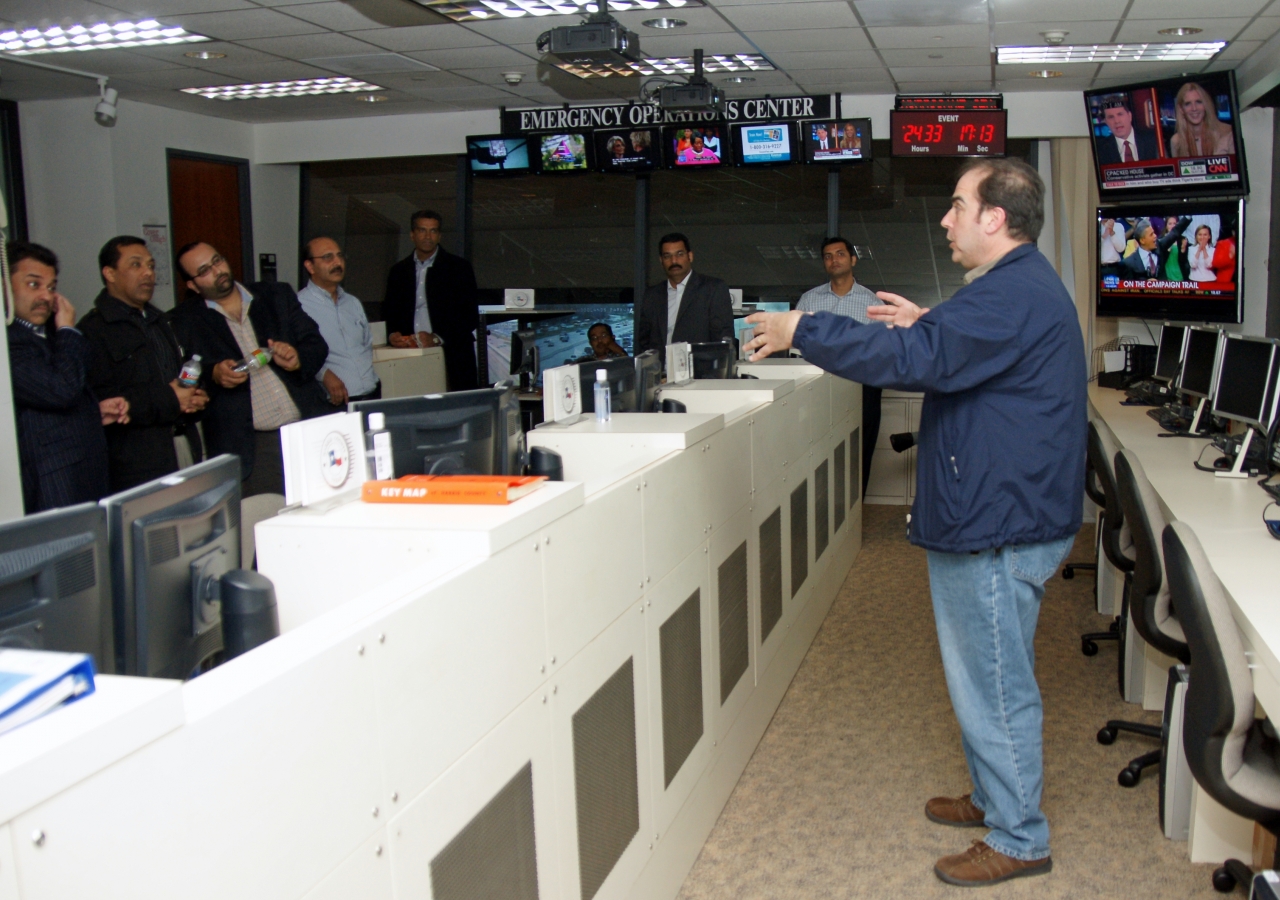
point(774, 332)
point(897, 310)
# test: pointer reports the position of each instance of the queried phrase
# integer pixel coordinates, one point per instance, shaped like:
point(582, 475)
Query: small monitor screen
point(765, 144)
point(637, 150)
point(1169, 355)
point(563, 153)
point(1171, 260)
point(621, 373)
point(1244, 372)
point(498, 154)
point(1197, 362)
point(701, 146)
point(841, 141)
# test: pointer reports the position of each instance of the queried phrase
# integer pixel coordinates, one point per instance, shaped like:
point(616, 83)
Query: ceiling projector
point(592, 42)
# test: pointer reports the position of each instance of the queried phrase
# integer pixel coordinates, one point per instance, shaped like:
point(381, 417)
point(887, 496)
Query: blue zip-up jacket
point(1002, 430)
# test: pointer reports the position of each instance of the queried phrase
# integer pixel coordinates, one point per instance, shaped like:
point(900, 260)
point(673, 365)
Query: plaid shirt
point(272, 405)
point(853, 304)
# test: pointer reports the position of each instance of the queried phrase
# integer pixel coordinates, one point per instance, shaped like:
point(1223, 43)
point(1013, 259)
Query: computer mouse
point(1223, 462)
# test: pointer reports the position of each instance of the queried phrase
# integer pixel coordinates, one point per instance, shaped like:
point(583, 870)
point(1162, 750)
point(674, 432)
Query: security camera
point(1054, 37)
point(105, 112)
point(513, 77)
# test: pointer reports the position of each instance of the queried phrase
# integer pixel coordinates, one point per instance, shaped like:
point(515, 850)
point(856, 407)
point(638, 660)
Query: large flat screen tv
point(765, 144)
point(1171, 259)
point(628, 150)
point(838, 141)
point(695, 147)
point(563, 152)
point(494, 154)
point(1178, 137)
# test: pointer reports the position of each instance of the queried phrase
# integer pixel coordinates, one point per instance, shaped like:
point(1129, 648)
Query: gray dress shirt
point(853, 304)
point(345, 328)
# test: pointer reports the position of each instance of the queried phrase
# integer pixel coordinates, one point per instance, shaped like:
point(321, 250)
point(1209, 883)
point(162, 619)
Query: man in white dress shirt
point(348, 370)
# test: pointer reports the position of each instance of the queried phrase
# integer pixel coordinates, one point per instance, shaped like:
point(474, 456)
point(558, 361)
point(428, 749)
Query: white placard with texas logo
point(561, 395)
point(323, 458)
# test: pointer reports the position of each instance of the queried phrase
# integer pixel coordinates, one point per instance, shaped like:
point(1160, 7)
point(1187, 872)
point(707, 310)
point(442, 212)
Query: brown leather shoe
point(980, 865)
point(957, 811)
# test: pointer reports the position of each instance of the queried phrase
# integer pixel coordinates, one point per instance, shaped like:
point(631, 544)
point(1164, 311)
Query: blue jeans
point(986, 606)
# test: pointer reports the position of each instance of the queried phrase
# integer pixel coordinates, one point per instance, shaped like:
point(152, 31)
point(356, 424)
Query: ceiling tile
point(1149, 29)
point(1238, 50)
point(944, 84)
point(951, 36)
point(305, 46)
point(164, 8)
point(1262, 28)
point(1057, 10)
point(922, 12)
point(704, 19)
point(940, 73)
point(719, 3)
point(43, 13)
point(259, 72)
point(424, 37)
point(474, 57)
point(1144, 70)
point(249, 23)
point(467, 92)
point(1022, 71)
point(172, 79)
point(519, 31)
point(176, 53)
point(420, 81)
point(831, 60)
point(334, 15)
point(685, 44)
point(1026, 85)
point(812, 39)
point(1028, 34)
point(107, 62)
point(949, 56)
point(791, 16)
point(1191, 9)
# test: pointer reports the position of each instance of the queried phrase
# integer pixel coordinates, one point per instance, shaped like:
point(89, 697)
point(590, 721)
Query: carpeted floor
point(831, 804)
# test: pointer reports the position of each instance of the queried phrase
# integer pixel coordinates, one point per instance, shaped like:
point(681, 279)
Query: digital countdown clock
point(948, 132)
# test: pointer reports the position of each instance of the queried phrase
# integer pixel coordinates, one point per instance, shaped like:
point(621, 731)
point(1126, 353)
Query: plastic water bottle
point(189, 377)
point(255, 360)
point(378, 448)
point(603, 411)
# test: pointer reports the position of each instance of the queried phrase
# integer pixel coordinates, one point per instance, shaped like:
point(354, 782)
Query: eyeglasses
point(679, 254)
point(329, 257)
point(204, 270)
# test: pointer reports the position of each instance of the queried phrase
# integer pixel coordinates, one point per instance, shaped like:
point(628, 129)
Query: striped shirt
point(272, 404)
point(853, 304)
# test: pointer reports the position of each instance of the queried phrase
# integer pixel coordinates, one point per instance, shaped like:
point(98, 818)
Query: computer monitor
point(1169, 355)
point(497, 154)
point(525, 357)
point(170, 539)
point(55, 584)
point(1242, 382)
point(459, 433)
point(715, 359)
point(648, 380)
point(1198, 359)
point(623, 383)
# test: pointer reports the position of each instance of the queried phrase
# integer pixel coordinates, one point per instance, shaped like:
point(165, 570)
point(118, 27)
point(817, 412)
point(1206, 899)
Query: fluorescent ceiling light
point(103, 36)
point(283, 89)
point(672, 65)
point(482, 10)
point(1182, 51)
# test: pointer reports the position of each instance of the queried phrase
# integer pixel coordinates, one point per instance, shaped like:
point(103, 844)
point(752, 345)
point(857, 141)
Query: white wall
point(86, 183)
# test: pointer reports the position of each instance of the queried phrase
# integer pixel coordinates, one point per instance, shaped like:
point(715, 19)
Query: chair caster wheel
point(1088, 648)
point(1128, 777)
point(1106, 736)
point(1223, 881)
point(1068, 573)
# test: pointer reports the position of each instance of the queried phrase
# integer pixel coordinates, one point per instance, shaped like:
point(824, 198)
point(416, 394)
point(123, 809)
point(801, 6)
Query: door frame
point(14, 187)
point(246, 210)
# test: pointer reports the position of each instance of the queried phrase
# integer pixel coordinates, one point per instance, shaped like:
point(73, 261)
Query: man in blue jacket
point(1001, 478)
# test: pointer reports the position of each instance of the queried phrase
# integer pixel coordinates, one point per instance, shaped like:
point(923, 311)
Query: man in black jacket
point(61, 450)
point(137, 356)
point(226, 323)
point(431, 301)
point(686, 307)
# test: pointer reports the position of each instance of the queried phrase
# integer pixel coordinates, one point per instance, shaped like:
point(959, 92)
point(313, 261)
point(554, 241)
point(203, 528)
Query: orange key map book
point(491, 489)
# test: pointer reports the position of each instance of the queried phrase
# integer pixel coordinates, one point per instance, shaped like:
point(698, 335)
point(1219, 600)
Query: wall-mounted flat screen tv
point(628, 150)
point(566, 152)
point(695, 146)
point(494, 154)
point(1177, 137)
point(836, 141)
point(1171, 259)
point(765, 144)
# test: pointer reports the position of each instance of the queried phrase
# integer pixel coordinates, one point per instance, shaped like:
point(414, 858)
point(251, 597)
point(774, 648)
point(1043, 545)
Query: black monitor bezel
point(588, 148)
point(1213, 366)
point(739, 158)
point(1266, 410)
point(1160, 347)
point(527, 169)
point(624, 366)
point(802, 135)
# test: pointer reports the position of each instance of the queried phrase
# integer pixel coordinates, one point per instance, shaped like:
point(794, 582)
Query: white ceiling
point(818, 46)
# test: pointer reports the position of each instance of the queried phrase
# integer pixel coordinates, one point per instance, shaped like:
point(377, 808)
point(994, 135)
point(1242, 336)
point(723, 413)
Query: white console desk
point(558, 695)
point(1226, 515)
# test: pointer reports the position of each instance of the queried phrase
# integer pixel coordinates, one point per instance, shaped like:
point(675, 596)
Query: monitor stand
point(1195, 420)
point(1237, 469)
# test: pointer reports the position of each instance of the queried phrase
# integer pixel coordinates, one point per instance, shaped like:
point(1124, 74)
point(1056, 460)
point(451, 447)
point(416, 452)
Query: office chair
point(1117, 542)
point(1094, 492)
point(1149, 604)
point(1234, 757)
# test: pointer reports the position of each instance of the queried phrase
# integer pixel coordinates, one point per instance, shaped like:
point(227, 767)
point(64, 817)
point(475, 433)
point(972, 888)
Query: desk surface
point(1226, 514)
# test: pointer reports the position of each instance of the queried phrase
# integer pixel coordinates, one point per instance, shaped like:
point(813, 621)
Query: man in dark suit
point(431, 301)
point(1126, 144)
point(686, 307)
point(62, 452)
point(136, 356)
point(228, 322)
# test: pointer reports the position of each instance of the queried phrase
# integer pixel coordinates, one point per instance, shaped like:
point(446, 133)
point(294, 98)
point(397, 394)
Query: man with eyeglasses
point(431, 301)
point(686, 307)
point(228, 322)
point(348, 371)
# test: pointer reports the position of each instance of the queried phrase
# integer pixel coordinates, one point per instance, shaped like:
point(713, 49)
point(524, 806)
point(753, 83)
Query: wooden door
point(208, 201)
